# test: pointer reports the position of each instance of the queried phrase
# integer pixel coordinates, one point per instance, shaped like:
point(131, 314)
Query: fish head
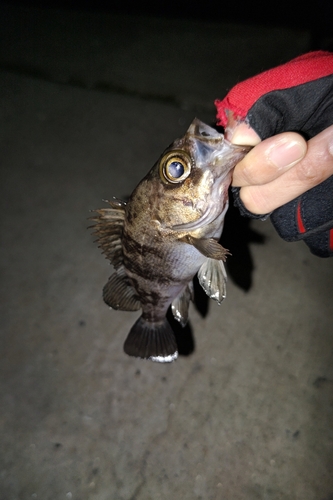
point(187, 189)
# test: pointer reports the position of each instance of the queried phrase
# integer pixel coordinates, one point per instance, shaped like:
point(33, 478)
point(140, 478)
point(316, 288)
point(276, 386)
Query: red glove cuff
point(303, 69)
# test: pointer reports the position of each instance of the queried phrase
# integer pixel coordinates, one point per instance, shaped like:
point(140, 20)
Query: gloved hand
point(294, 97)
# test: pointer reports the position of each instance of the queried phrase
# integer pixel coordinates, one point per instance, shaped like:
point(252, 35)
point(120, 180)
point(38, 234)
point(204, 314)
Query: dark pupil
point(176, 169)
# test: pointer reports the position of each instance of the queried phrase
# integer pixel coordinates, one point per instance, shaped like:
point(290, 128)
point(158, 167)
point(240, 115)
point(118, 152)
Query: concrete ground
point(88, 102)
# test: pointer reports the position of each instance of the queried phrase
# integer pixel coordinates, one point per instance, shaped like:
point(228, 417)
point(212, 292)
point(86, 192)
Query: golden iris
point(175, 166)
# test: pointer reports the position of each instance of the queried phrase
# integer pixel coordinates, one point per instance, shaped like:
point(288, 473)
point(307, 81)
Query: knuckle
point(317, 165)
point(313, 171)
point(254, 199)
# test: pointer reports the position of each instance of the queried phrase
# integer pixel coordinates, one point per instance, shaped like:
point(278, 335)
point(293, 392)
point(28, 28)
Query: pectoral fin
point(208, 247)
point(118, 293)
point(180, 305)
point(213, 279)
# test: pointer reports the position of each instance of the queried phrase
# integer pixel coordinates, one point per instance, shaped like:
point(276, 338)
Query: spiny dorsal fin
point(118, 293)
point(108, 228)
point(208, 247)
point(213, 279)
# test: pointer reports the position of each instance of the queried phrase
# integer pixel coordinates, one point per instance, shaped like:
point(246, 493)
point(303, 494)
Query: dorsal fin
point(108, 228)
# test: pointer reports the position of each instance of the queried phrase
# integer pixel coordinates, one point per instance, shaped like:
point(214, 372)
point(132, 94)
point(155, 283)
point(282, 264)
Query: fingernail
point(287, 154)
point(244, 135)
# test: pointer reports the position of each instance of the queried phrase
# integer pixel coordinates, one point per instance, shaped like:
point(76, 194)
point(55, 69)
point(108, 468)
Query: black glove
point(296, 96)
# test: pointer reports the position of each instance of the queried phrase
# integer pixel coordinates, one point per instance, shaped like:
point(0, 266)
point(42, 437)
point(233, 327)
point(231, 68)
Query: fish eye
point(175, 169)
point(175, 166)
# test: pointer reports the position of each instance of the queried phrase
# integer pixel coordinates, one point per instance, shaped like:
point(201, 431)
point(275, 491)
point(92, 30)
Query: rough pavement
point(88, 102)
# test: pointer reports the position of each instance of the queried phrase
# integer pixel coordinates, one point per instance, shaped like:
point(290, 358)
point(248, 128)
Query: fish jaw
point(212, 213)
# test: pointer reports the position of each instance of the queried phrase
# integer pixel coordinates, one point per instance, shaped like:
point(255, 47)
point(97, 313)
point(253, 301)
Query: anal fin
point(153, 341)
point(118, 293)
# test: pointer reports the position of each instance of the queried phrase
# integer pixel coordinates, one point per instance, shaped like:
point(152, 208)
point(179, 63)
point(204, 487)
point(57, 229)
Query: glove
point(296, 96)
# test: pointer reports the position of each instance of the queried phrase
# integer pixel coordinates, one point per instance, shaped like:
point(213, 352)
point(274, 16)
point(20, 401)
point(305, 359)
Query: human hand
point(280, 168)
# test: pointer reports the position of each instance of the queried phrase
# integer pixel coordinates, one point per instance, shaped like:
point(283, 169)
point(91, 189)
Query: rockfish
point(166, 233)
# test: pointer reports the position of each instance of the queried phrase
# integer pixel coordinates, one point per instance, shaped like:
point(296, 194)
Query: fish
point(165, 234)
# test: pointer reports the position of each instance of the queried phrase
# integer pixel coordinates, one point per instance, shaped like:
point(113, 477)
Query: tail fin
point(151, 341)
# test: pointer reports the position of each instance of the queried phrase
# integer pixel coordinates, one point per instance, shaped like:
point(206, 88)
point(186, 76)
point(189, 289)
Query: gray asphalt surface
point(88, 103)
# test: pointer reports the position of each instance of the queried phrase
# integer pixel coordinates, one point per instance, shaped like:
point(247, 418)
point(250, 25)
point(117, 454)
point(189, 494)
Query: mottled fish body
point(165, 234)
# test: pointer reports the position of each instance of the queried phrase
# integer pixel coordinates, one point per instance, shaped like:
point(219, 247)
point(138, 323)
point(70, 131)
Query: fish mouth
point(208, 217)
